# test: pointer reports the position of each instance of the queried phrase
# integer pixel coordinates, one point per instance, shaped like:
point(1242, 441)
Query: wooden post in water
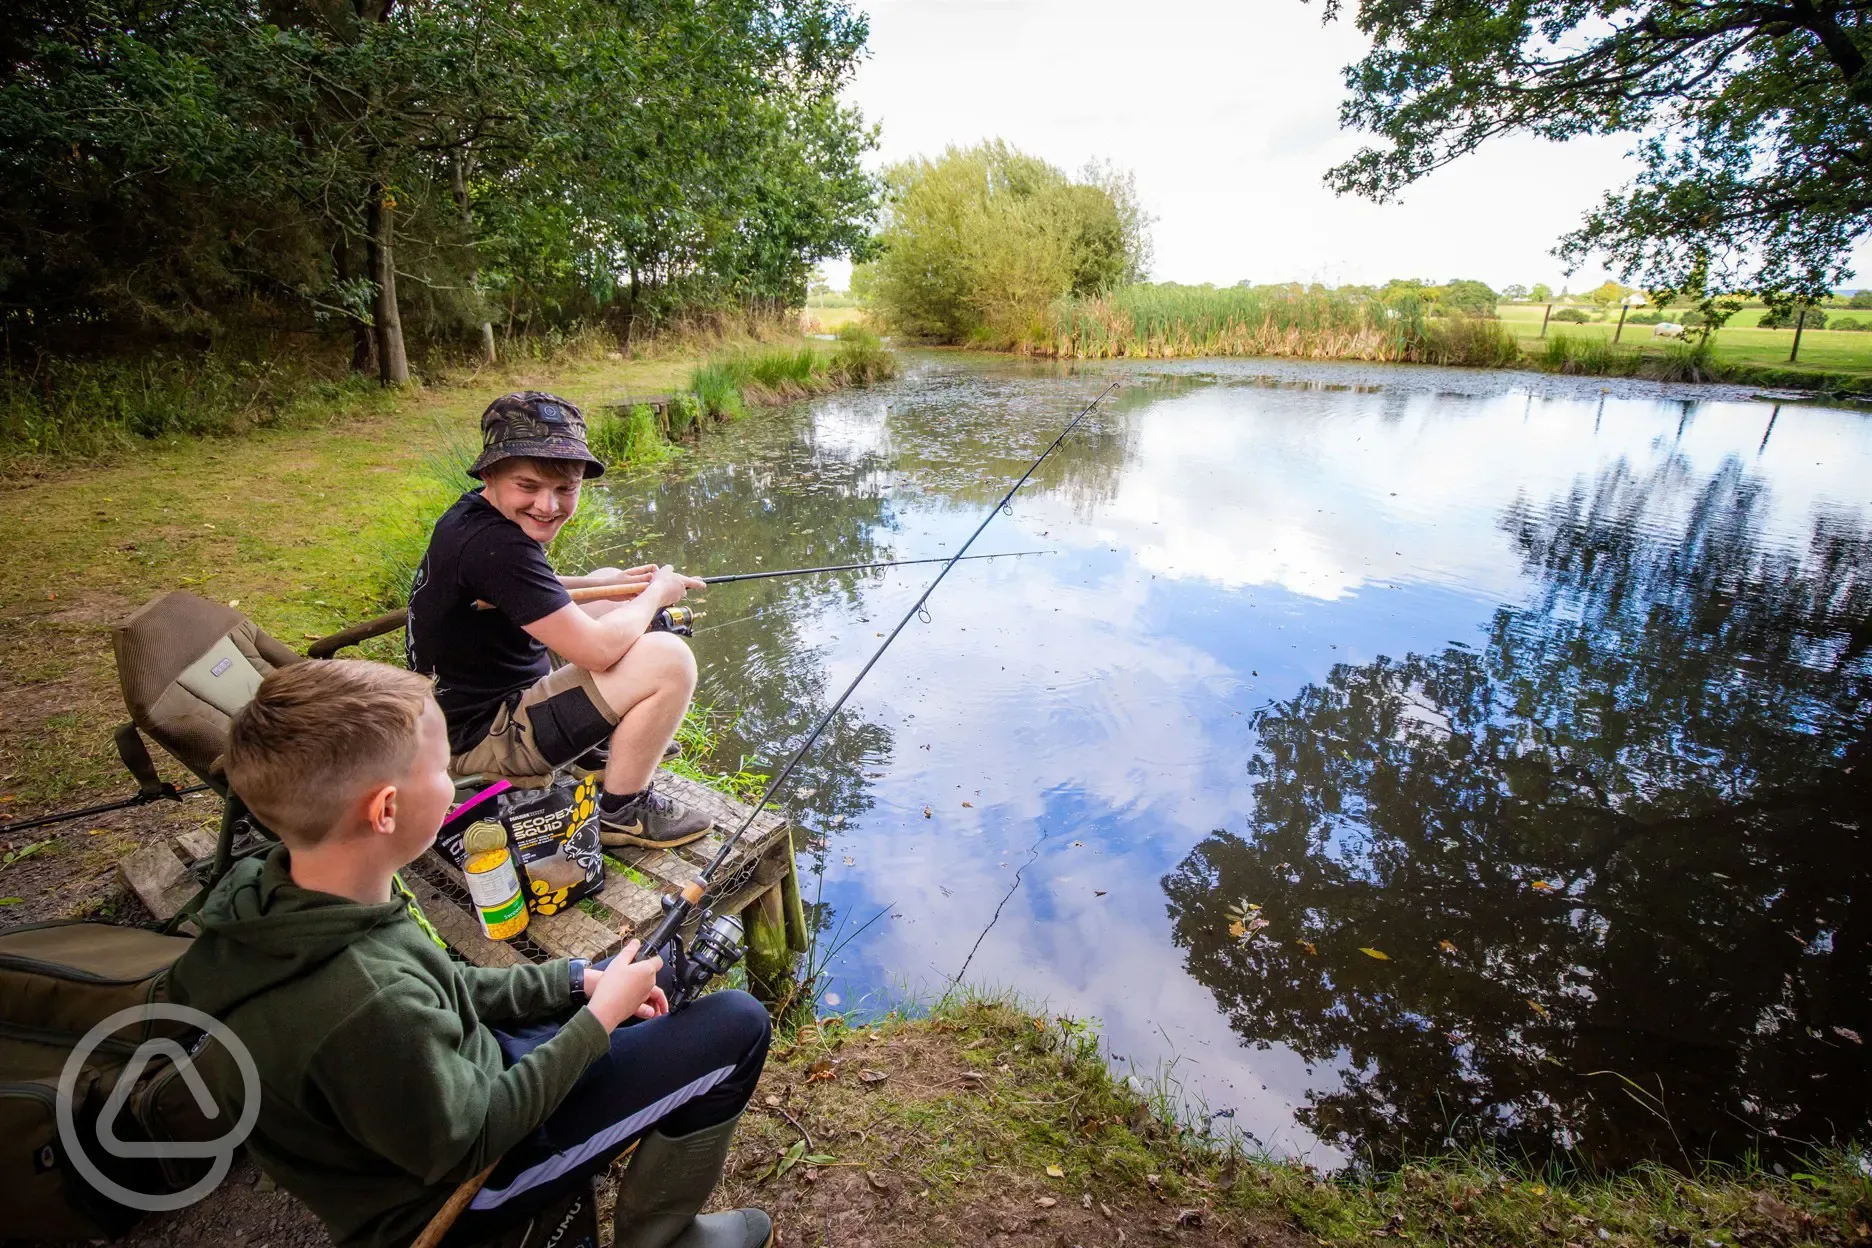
point(1800, 321)
point(1545, 317)
point(798, 938)
point(1622, 310)
point(769, 961)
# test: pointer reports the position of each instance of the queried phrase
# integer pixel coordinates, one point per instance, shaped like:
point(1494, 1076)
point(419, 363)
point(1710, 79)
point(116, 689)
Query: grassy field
point(1738, 342)
point(830, 320)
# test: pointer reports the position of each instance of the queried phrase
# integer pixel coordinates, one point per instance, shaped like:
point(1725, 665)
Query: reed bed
point(1164, 320)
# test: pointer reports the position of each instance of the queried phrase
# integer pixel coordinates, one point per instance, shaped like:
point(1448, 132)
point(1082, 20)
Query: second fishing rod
point(714, 941)
point(390, 621)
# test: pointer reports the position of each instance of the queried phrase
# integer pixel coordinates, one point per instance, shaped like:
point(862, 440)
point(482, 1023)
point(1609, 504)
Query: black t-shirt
point(480, 659)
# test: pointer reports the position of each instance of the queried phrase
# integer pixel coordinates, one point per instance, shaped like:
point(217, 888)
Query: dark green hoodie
point(382, 1089)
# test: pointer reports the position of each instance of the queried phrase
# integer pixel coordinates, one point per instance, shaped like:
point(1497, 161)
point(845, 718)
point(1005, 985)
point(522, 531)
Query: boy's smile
point(538, 503)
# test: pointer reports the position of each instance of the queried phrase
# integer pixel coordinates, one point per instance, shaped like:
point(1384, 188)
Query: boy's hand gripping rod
point(690, 898)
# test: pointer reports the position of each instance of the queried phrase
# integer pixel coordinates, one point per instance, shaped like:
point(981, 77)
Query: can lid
point(484, 837)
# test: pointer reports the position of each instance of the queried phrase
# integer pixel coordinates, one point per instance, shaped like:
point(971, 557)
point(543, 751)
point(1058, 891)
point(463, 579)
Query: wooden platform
point(629, 905)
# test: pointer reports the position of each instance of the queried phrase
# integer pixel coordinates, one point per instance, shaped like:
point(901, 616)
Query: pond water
point(1392, 757)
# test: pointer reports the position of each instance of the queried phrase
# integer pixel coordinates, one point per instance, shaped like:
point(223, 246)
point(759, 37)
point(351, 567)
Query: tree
point(435, 164)
point(1514, 292)
point(1608, 294)
point(1860, 299)
point(979, 241)
point(1753, 123)
point(1624, 846)
point(1541, 293)
point(1467, 298)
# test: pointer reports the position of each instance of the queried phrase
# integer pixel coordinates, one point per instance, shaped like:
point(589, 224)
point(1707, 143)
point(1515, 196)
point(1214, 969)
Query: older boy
point(509, 713)
point(384, 1087)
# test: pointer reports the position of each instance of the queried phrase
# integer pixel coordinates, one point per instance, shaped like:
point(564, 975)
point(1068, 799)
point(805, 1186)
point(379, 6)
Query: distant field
point(831, 320)
point(1739, 342)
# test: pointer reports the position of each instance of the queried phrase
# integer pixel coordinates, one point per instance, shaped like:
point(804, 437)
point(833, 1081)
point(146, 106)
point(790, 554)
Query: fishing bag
point(57, 981)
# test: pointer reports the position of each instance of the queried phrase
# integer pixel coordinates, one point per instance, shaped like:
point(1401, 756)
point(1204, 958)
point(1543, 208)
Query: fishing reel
point(713, 950)
point(679, 620)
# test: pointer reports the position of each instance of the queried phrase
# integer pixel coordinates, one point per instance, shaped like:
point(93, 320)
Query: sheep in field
point(1667, 329)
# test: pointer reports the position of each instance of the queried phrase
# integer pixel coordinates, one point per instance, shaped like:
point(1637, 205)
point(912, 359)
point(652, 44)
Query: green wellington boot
point(665, 1185)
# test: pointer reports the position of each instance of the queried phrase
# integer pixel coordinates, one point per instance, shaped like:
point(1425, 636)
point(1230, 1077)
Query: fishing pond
point(1388, 758)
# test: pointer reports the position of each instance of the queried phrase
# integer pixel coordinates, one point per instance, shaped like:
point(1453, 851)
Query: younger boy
point(383, 1084)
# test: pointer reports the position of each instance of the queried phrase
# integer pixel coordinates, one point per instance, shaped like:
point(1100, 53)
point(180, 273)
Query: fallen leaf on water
point(1098, 892)
point(1236, 929)
point(850, 861)
point(1446, 946)
point(1078, 844)
point(926, 813)
point(1849, 1034)
point(970, 805)
point(1542, 885)
point(1054, 1172)
point(1538, 1007)
point(1373, 953)
point(1045, 1202)
point(804, 792)
point(1310, 947)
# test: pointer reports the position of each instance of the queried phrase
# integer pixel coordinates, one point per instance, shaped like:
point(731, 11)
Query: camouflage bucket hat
point(537, 425)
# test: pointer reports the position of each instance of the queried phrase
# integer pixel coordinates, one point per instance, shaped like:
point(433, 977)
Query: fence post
point(1800, 322)
point(1622, 310)
point(1545, 317)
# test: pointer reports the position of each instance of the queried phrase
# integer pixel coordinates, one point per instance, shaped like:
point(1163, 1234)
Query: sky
point(1227, 112)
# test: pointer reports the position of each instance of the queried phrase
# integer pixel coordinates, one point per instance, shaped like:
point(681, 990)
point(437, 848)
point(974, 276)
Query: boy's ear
point(380, 809)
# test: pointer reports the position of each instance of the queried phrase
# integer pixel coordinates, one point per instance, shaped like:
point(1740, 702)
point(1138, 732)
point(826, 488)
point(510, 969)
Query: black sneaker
point(652, 822)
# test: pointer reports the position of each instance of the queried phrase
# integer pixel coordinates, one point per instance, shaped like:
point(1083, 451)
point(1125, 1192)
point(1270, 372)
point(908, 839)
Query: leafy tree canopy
point(979, 241)
point(1463, 297)
point(1541, 292)
point(1753, 123)
point(185, 164)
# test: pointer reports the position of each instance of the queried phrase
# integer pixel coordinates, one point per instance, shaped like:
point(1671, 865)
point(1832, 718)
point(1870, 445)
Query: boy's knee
point(670, 657)
point(738, 1014)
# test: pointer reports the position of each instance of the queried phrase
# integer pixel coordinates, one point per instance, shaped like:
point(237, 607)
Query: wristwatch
point(577, 971)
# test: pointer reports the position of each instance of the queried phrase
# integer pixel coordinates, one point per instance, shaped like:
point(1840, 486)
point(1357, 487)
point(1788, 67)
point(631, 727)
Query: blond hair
point(318, 735)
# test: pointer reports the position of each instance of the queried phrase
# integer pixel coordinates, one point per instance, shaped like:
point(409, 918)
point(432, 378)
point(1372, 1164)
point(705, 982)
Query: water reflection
point(1615, 859)
point(1634, 670)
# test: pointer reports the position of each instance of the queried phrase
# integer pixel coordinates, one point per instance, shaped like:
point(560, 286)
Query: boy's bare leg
point(650, 689)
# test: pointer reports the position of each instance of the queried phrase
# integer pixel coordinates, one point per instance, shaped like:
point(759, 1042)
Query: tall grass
point(729, 382)
point(1164, 320)
point(82, 409)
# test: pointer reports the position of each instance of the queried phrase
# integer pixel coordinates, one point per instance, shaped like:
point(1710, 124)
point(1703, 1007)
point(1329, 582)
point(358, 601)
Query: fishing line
point(692, 894)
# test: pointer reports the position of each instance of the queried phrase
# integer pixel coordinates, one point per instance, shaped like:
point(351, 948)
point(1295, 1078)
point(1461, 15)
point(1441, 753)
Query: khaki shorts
point(552, 723)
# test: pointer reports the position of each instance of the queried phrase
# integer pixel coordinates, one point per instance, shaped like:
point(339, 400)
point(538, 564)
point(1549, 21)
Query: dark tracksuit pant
point(679, 1073)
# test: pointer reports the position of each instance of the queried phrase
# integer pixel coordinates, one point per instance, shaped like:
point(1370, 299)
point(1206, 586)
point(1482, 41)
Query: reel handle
point(676, 913)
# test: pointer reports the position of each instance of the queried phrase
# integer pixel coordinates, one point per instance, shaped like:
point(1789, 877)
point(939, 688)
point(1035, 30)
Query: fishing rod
point(626, 590)
point(167, 793)
point(679, 907)
point(390, 621)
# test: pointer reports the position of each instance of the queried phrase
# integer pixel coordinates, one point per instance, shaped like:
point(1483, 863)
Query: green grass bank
point(980, 1121)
